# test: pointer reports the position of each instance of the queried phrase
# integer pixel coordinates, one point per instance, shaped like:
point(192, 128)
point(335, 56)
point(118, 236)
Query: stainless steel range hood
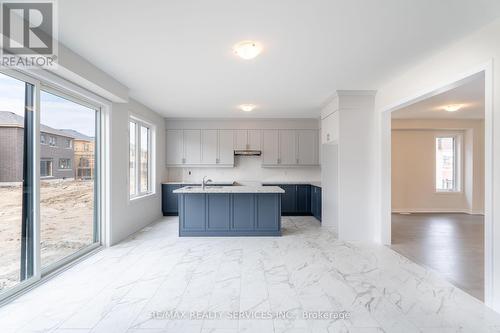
point(247, 152)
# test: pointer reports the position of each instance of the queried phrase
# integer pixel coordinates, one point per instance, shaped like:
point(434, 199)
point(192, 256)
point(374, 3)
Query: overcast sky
point(56, 112)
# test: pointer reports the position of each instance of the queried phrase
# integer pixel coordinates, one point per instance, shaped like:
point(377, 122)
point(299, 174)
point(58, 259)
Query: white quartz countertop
point(290, 182)
point(230, 189)
point(228, 183)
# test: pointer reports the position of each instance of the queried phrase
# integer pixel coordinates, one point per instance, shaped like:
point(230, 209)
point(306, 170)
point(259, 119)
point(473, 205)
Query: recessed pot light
point(453, 107)
point(247, 49)
point(247, 107)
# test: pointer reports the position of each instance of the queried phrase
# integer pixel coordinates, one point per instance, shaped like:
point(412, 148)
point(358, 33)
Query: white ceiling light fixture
point(247, 49)
point(453, 107)
point(247, 107)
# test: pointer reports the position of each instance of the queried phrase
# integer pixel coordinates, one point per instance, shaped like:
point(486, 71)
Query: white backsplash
point(247, 170)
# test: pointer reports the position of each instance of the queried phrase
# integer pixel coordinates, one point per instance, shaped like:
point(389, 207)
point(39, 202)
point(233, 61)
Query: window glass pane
point(66, 188)
point(45, 168)
point(144, 159)
point(445, 164)
point(132, 161)
point(16, 241)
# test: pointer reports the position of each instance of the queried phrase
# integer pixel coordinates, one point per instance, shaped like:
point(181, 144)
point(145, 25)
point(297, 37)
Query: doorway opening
point(438, 183)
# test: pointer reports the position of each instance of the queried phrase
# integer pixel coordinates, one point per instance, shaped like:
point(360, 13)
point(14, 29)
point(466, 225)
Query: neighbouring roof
point(10, 119)
point(77, 135)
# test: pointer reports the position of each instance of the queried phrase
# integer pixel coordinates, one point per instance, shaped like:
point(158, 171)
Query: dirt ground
point(66, 210)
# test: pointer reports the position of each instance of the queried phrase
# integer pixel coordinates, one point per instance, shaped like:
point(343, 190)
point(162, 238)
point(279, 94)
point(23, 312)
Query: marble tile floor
point(132, 286)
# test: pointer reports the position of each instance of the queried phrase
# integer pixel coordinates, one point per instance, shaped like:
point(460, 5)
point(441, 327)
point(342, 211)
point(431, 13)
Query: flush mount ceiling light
point(247, 107)
point(247, 49)
point(453, 107)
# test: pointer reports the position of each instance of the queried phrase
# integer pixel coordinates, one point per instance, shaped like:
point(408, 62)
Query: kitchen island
point(229, 211)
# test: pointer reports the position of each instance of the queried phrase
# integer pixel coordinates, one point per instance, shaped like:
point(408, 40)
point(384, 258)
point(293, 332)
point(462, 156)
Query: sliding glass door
point(67, 192)
point(49, 180)
point(16, 182)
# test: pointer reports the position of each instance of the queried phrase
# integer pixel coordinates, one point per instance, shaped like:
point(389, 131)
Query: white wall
point(128, 216)
point(413, 166)
point(330, 186)
point(348, 173)
point(479, 51)
point(247, 168)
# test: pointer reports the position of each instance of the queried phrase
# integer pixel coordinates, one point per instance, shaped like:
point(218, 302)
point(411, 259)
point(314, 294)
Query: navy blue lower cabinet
point(268, 212)
point(303, 199)
point(229, 214)
point(289, 199)
point(193, 210)
point(319, 205)
point(316, 202)
point(169, 205)
point(244, 212)
point(218, 211)
point(296, 200)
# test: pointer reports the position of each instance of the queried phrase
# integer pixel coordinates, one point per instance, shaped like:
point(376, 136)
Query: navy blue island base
point(229, 214)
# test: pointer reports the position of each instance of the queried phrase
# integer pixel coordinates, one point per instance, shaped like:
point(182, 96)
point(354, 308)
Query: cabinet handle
point(279, 160)
point(217, 160)
point(297, 161)
point(183, 160)
point(328, 136)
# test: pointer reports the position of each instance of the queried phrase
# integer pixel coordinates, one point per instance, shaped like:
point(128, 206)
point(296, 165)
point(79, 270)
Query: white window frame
point(69, 167)
point(52, 141)
point(457, 162)
point(45, 79)
point(68, 143)
point(151, 158)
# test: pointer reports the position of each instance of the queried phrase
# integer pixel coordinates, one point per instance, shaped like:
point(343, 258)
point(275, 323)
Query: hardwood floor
point(451, 244)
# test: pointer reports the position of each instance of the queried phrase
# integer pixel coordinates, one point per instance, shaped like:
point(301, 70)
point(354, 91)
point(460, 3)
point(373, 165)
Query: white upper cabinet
point(175, 151)
point(270, 147)
point(330, 128)
point(288, 147)
point(209, 154)
point(226, 148)
point(192, 147)
point(253, 139)
point(307, 150)
point(247, 139)
point(240, 139)
point(215, 147)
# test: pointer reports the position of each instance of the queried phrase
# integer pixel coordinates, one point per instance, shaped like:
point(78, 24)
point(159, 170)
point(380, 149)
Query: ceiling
point(470, 95)
point(176, 57)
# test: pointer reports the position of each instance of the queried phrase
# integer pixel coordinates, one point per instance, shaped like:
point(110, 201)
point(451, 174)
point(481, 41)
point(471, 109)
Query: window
point(45, 168)
point(84, 162)
point(67, 143)
point(17, 245)
point(52, 141)
point(447, 163)
point(64, 163)
point(144, 167)
point(69, 219)
point(132, 159)
point(140, 158)
point(47, 223)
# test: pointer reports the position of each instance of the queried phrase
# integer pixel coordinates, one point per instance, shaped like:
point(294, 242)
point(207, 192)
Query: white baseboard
point(438, 210)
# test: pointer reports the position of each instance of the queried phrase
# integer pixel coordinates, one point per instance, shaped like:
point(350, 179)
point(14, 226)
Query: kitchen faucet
point(204, 182)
